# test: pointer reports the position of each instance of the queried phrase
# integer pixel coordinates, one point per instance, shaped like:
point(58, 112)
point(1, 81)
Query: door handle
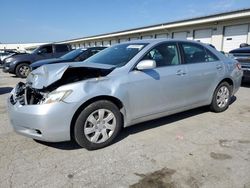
point(180, 73)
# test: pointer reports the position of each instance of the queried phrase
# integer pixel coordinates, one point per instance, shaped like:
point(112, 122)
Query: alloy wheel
point(24, 70)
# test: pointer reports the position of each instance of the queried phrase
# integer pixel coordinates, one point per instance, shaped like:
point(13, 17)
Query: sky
point(23, 21)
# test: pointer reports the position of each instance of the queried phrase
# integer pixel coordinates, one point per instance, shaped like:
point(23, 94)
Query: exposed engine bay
point(28, 95)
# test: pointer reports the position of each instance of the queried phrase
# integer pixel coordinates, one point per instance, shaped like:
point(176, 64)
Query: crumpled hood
point(46, 75)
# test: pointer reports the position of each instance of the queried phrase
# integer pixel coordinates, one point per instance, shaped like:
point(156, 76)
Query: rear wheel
point(221, 98)
point(22, 70)
point(98, 125)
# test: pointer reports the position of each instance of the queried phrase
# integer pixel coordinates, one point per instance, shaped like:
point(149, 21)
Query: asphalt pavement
point(197, 148)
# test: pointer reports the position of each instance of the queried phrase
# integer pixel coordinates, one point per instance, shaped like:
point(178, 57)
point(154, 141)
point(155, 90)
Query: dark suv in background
point(74, 56)
point(20, 64)
point(243, 56)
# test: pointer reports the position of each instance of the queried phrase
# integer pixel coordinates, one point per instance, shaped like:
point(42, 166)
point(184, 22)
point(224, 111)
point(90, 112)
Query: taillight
point(238, 65)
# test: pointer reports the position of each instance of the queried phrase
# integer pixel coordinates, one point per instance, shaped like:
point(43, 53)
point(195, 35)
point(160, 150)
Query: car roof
point(99, 47)
point(150, 41)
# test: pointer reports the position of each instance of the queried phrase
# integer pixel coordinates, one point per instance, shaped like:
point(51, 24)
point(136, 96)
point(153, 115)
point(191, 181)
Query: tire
point(22, 70)
point(98, 125)
point(221, 98)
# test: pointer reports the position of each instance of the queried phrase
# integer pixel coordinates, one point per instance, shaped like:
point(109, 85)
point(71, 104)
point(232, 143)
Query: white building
point(226, 31)
point(19, 46)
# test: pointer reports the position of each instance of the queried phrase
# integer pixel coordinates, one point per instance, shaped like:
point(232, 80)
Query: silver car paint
point(142, 93)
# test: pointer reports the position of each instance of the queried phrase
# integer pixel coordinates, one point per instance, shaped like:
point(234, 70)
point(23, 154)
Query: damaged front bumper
point(46, 122)
point(37, 109)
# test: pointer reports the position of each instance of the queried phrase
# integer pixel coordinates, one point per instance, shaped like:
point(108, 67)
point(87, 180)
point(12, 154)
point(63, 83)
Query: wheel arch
point(115, 100)
point(20, 62)
point(229, 81)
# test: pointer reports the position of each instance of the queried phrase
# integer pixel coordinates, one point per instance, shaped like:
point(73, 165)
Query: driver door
point(161, 89)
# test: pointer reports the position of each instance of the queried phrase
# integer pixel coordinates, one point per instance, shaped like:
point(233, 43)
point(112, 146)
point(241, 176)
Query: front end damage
point(34, 107)
point(42, 82)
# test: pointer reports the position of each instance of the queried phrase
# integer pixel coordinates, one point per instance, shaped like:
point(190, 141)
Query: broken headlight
point(56, 96)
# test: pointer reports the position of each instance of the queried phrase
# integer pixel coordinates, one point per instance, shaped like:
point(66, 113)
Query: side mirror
point(146, 64)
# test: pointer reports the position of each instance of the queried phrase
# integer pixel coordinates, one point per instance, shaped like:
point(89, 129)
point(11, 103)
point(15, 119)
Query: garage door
point(180, 35)
point(123, 40)
point(114, 42)
point(203, 35)
point(134, 38)
point(234, 36)
point(162, 36)
point(99, 44)
point(147, 37)
point(106, 43)
point(92, 44)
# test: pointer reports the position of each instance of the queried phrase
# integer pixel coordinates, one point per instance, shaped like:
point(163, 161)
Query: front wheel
point(22, 70)
point(98, 125)
point(221, 98)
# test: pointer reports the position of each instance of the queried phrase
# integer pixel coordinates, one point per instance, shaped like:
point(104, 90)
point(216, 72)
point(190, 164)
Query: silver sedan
point(121, 86)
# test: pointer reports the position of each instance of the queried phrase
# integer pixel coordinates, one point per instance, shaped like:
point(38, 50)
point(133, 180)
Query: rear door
point(204, 70)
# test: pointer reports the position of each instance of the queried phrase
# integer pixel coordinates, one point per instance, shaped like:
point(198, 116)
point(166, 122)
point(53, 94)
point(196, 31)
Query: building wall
point(217, 35)
point(218, 25)
point(19, 47)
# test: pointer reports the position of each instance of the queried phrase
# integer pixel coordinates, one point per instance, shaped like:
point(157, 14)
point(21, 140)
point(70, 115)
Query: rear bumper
point(237, 79)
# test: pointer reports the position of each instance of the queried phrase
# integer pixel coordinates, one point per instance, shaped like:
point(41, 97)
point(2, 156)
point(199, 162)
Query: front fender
point(98, 88)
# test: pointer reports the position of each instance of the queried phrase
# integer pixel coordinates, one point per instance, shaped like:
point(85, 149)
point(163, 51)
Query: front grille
point(20, 99)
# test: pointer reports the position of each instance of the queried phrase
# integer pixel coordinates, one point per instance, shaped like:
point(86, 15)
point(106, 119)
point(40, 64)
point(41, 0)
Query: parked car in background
point(76, 55)
point(243, 56)
point(5, 54)
point(20, 64)
point(120, 86)
point(243, 45)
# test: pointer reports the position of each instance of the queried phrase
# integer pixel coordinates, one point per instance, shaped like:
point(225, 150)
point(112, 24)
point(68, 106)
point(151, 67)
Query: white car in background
point(5, 54)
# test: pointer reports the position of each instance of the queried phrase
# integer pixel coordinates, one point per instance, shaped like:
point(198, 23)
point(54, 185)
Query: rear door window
point(61, 48)
point(93, 52)
point(194, 53)
point(46, 49)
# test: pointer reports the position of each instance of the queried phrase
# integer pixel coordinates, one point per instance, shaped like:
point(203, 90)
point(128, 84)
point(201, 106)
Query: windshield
point(34, 51)
point(118, 55)
point(73, 54)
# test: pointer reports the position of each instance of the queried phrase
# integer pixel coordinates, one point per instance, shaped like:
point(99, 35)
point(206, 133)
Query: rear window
point(62, 48)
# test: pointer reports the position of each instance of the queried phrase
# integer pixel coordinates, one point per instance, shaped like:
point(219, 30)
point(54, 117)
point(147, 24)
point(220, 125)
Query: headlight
point(8, 60)
point(56, 96)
